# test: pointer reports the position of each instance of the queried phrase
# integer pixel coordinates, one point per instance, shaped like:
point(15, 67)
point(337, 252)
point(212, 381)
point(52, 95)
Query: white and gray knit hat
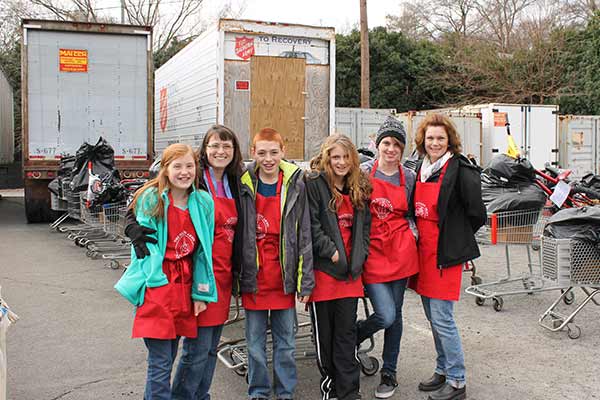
point(391, 127)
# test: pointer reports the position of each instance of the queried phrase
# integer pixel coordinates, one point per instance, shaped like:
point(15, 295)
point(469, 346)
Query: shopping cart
point(234, 354)
point(569, 264)
point(513, 228)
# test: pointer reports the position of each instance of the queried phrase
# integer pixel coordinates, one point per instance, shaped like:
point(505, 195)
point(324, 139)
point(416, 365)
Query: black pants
point(334, 322)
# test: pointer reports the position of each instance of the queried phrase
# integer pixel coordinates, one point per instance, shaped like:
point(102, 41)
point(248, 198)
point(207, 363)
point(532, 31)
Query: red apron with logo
point(433, 282)
point(167, 311)
point(326, 286)
point(393, 249)
point(270, 295)
point(225, 223)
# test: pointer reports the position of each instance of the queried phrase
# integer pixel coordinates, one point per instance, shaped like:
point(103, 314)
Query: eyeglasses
point(217, 146)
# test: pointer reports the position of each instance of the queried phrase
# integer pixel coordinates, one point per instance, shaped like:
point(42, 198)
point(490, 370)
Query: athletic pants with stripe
point(334, 324)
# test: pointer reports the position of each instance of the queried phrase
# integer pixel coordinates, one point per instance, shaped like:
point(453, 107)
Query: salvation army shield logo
point(421, 210)
point(262, 226)
point(244, 47)
point(229, 228)
point(163, 109)
point(382, 207)
point(184, 244)
point(345, 220)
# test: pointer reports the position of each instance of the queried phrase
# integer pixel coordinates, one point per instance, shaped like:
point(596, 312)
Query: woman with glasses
point(220, 171)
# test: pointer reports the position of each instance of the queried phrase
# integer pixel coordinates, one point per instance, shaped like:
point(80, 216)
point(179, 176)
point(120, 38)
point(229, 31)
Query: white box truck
point(82, 81)
point(248, 75)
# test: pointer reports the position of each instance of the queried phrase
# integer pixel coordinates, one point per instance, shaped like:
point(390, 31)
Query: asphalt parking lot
point(73, 339)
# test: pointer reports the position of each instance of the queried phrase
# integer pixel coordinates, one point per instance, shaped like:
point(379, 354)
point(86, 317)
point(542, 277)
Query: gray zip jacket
point(295, 254)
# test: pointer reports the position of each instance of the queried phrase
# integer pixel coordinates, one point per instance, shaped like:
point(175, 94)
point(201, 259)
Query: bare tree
point(167, 25)
point(74, 10)
point(411, 21)
point(433, 18)
point(581, 10)
point(501, 17)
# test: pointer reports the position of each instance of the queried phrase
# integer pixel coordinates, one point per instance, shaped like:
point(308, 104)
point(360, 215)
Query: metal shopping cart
point(234, 354)
point(569, 264)
point(513, 228)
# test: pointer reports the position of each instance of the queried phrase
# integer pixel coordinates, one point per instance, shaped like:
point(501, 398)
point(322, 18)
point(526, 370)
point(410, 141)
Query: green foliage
point(582, 61)
point(401, 71)
point(161, 57)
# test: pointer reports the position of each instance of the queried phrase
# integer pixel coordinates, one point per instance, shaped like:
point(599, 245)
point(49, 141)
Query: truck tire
point(37, 201)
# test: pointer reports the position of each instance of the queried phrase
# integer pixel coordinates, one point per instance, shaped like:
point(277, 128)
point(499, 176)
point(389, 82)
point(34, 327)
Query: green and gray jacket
point(295, 255)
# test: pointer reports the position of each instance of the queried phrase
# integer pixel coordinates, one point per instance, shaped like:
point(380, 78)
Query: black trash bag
point(498, 195)
point(591, 181)
point(101, 155)
point(54, 186)
point(412, 161)
point(514, 170)
point(575, 223)
point(64, 170)
point(154, 168)
point(108, 189)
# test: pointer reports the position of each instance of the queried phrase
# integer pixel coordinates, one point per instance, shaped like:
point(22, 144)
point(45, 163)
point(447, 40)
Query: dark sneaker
point(433, 383)
point(449, 392)
point(387, 386)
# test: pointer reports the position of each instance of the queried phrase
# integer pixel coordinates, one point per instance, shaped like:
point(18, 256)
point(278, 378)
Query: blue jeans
point(387, 299)
point(284, 343)
point(197, 365)
point(450, 360)
point(161, 355)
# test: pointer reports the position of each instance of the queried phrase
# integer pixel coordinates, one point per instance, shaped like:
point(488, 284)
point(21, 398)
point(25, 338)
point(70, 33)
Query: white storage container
point(580, 144)
point(360, 124)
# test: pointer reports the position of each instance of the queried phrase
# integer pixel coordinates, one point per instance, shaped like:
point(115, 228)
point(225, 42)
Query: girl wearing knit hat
point(393, 249)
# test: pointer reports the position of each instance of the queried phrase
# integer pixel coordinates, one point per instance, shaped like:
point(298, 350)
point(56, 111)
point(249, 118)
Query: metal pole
point(364, 56)
point(122, 11)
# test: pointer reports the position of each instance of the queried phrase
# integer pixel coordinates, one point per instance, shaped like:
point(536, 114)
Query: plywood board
point(317, 108)
point(237, 103)
point(278, 101)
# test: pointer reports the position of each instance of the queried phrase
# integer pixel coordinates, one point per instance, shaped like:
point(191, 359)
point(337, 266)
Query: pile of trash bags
point(507, 184)
point(92, 170)
point(581, 224)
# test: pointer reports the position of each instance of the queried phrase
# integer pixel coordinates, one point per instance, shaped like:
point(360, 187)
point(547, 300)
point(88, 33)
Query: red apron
point(326, 286)
point(167, 311)
point(270, 294)
point(433, 282)
point(225, 223)
point(393, 249)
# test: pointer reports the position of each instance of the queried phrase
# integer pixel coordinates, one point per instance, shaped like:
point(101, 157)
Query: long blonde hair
point(356, 180)
point(161, 182)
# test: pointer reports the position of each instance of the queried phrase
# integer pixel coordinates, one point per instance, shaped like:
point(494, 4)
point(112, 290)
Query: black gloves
point(138, 235)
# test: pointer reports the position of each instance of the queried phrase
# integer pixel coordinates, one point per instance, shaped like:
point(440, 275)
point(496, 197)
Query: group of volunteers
point(207, 229)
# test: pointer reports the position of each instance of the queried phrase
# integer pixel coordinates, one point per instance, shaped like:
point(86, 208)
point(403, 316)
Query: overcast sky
point(341, 14)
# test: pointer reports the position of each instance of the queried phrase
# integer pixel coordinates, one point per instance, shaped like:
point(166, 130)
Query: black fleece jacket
point(326, 236)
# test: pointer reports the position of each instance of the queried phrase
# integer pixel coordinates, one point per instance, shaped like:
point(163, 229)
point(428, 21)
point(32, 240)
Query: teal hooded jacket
point(148, 272)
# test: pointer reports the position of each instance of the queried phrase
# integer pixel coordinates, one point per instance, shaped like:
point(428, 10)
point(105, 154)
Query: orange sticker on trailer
point(499, 119)
point(71, 60)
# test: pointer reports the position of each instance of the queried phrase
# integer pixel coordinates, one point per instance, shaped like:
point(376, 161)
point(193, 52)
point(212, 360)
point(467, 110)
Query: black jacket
point(461, 211)
point(326, 236)
point(236, 257)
